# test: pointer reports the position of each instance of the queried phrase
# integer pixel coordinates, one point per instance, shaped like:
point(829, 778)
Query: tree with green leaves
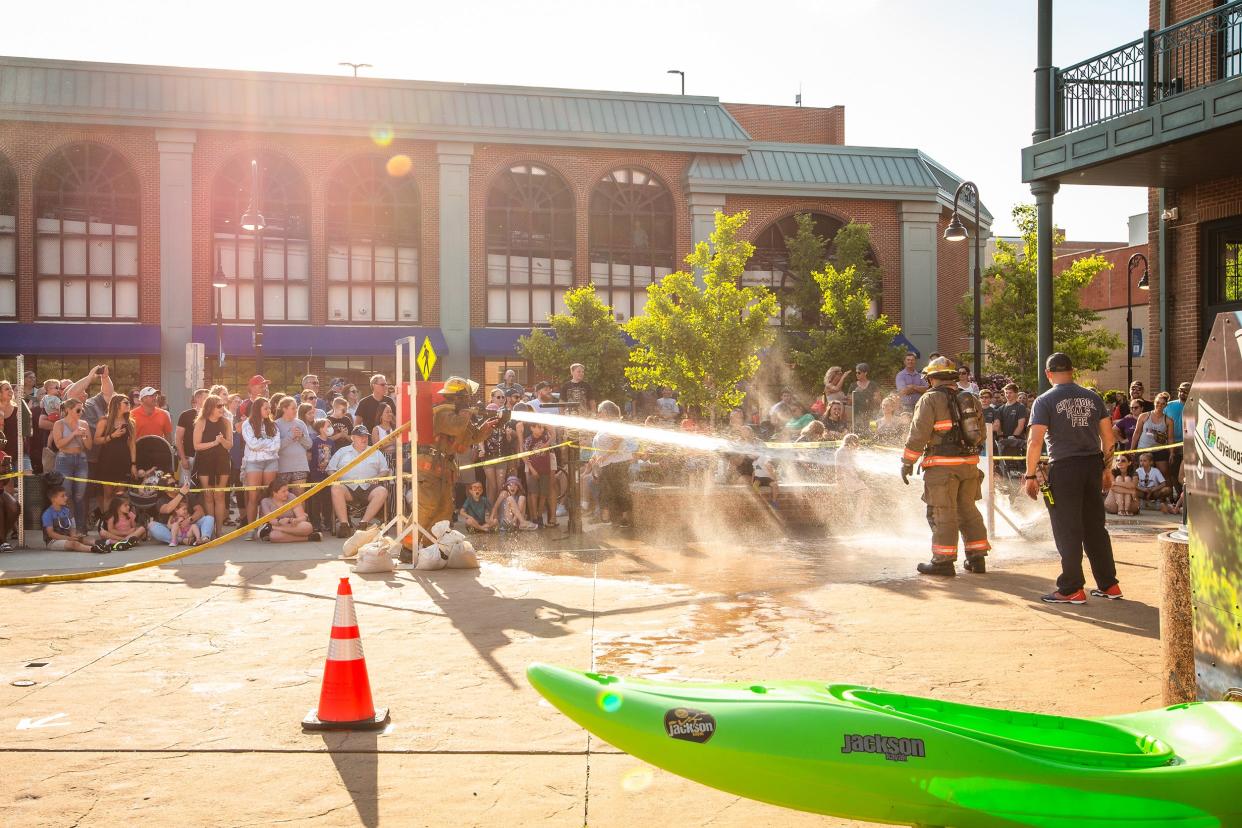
point(808, 254)
point(1009, 302)
point(847, 333)
point(704, 341)
point(588, 333)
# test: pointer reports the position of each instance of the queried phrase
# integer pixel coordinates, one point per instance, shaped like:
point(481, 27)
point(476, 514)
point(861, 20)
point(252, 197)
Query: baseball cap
point(147, 392)
point(259, 379)
point(1058, 363)
point(1184, 385)
point(360, 431)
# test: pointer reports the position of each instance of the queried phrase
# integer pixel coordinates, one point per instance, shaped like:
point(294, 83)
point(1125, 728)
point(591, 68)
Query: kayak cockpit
point(1058, 738)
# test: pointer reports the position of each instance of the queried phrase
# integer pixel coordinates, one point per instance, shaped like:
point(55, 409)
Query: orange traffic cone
point(345, 701)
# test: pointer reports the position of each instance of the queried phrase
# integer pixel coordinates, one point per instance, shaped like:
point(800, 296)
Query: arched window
point(86, 231)
point(373, 239)
point(8, 241)
point(285, 205)
point(530, 246)
point(769, 266)
point(632, 238)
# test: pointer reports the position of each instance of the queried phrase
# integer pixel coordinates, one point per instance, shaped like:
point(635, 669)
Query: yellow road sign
point(426, 359)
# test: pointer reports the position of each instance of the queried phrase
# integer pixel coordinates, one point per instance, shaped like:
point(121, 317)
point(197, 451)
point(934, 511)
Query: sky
point(952, 79)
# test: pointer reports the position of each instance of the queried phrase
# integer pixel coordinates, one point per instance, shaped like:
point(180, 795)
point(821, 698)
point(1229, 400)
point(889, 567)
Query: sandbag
point(430, 557)
point(352, 544)
point(375, 556)
point(463, 557)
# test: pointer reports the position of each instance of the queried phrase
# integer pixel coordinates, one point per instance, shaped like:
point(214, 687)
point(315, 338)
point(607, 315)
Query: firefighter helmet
point(459, 385)
point(941, 367)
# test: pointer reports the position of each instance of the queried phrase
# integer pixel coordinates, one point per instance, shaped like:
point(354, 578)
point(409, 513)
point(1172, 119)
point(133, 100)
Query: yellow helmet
point(459, 385)
point(941, 366)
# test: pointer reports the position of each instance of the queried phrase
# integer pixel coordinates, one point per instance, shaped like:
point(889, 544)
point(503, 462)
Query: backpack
point(969, 426)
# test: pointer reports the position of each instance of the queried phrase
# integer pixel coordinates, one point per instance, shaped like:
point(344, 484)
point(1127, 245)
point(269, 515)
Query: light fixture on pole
point(355, 66)
point(683, 78)
point(1143, 284)
point(219, 281)
point(253, 221)
point(956, 231)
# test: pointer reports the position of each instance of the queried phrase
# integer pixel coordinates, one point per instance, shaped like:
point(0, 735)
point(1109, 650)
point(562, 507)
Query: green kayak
point(863, 753)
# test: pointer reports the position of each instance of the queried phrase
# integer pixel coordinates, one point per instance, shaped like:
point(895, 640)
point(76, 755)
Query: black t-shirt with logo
point(368, 409)
point(1072, 414)
point(341, 425)
point(577, 392)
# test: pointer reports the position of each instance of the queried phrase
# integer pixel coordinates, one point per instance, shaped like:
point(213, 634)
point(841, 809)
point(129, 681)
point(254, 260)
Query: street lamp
point(253, 221)
point(956, 231)
point(1143, 284)
point(219, 281)
point(683, 78)
point(355, 66)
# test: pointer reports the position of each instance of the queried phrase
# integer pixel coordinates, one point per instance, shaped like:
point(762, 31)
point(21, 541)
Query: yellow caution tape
point(496, 460)
point(194, 550)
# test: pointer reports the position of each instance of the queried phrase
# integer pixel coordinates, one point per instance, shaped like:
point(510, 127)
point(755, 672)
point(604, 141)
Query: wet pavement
point(175, 693)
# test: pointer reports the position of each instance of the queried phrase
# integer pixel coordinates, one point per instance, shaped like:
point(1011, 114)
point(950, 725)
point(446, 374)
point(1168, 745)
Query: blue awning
point(79, 338)
point(900, 341)
point(315, 340)
point(496, 342)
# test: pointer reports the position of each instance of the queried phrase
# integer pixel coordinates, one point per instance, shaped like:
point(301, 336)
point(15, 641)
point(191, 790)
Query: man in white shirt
point(371, 495)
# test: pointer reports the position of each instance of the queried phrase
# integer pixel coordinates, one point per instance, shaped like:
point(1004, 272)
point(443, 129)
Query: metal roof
point(827, 170)
point(37, 89)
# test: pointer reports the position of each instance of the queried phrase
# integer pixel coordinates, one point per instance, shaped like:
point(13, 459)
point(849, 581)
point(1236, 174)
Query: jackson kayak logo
point(689, 725)
point(893, 748)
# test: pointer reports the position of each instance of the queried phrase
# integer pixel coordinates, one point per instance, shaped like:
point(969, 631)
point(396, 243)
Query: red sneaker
point(1078, 597)
point(1113, 593)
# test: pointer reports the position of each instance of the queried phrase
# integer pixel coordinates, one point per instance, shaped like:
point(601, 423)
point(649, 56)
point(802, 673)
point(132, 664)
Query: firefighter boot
point(977, 564)
point(939, 565)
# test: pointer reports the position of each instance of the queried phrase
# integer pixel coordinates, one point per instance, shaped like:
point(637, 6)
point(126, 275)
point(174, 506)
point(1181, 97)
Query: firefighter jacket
point(454, 433)
point(934, 434)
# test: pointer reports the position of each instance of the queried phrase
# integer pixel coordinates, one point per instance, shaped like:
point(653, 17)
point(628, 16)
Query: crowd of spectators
point(251, 452)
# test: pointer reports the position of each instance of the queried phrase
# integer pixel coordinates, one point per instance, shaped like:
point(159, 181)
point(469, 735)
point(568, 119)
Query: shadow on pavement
point(359, 770)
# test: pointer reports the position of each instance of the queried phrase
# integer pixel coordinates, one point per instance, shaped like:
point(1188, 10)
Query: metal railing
point(1191, 53)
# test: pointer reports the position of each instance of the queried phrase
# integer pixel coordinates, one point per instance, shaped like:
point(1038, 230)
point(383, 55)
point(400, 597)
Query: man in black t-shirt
point(865, 398)
point(367, 412)
point(184, 439)
point(578, 390)
point(1075, 424)
point(1013, 415)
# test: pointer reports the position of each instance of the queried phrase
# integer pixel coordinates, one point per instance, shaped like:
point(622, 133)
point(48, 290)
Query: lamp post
point(1143, 284)
point(355, 66)
point(253, 221)
point(683, 78)
point(956, 231)
point(219, 282)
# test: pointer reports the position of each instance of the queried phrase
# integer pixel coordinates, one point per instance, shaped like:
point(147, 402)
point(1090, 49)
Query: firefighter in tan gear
point(455, 430)
point(949, 448)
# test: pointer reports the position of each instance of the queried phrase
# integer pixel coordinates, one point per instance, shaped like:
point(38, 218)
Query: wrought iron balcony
point(1196, 52)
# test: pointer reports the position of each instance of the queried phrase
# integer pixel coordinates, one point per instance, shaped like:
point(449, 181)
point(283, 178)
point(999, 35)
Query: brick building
point(1163, 112)
point(453, 211)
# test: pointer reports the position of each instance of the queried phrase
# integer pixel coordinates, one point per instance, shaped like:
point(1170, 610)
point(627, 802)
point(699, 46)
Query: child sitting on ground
point(509, 513)
point(1152, 487)
point(1122, 498)
point(121, 526)
point(476, 511)
point(60, 530)
point(181, 527)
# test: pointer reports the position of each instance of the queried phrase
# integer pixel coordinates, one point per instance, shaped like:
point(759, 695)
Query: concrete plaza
point(174, 695)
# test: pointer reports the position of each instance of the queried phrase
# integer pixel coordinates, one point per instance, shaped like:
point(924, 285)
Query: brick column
point(176, 147)
point(455, 255)
point(918, 273)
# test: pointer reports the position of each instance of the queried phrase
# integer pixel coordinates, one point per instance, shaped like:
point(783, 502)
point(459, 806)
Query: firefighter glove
point(907, 469)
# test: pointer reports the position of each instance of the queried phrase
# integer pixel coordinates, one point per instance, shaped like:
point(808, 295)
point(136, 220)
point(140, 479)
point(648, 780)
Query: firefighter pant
point(950, 493)
point(435, 496)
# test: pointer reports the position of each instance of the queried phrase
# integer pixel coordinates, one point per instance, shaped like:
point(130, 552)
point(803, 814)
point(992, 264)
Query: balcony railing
point(1163, 63)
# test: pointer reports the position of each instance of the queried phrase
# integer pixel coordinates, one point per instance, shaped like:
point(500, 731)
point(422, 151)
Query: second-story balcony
point(1164, 110)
